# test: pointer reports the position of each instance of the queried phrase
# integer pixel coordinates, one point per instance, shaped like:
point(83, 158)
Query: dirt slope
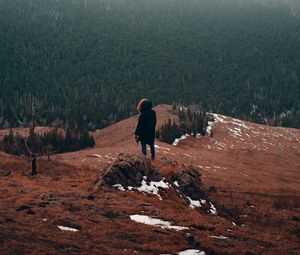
point(254, 171)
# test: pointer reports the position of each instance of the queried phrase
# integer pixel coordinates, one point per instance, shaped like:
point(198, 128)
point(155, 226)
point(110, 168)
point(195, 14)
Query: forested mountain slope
point(90, 61)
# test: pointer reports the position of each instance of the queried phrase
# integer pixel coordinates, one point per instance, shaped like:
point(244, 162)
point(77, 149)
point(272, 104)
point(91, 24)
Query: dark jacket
point(145, 129)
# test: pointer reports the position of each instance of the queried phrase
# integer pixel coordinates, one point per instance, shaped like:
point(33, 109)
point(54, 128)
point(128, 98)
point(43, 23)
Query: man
point(145, 130)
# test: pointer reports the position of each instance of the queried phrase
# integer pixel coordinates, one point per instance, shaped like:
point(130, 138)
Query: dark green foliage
point(90, 61)
point(193, 120)
point(169, 132)
point(53, 141)
point(8, 143)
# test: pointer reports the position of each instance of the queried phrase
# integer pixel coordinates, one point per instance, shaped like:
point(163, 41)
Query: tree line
point(46, 143)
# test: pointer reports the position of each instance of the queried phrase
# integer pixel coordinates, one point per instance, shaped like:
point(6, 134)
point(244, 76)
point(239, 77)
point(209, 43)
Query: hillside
point(89, 61)
point(250, 172)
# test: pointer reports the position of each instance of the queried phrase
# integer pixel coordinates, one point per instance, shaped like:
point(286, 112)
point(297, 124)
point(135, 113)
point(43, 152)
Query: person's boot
point(144, 157)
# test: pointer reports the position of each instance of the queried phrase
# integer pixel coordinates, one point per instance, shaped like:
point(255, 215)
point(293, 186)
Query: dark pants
point(152, 148)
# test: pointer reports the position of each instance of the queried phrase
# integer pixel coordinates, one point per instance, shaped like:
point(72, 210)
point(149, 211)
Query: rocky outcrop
point(136, 173)
point(189, 183)
point(128, 170)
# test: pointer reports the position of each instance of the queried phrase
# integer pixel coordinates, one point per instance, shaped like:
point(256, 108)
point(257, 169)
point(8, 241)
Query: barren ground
point(255, 170)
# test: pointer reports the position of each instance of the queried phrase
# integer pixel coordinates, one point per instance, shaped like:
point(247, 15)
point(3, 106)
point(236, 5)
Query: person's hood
point(146, 105)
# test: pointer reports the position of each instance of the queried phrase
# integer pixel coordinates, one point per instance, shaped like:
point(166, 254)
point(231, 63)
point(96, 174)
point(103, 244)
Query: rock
point(123, 236)
point(43, 204)
point(203, 228)
point(111, 214)
point(145, 204)
point(105, 213)
point(212, 189)
point(128, 170)
point(192, 240)
point(67, 223)
point(23, 207)
point(5, 173)
point(248, 204)
point(90, 197)
point(30, 211)
point(295, 218)
point(72, 208)
point(189, 183)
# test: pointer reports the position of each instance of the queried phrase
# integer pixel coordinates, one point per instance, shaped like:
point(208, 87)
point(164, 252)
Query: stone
point(90, 197)
point(30, 211)
point(23, 207)
point(6, 173)
point(128, 170)
point(190, 184)
point(295, 218)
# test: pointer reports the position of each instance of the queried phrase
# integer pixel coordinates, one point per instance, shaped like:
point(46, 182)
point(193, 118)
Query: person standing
point(145, 130)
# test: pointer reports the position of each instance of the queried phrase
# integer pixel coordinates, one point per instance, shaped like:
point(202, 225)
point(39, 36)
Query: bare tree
point(28, 116)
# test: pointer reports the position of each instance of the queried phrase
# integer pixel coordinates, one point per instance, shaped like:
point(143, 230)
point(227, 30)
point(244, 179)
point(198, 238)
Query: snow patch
point(196, 203)
point(240, 123)
point(176, 184)
point(191, 252)
point(219, 118)
point(213, 209)
point(146, 187)
point(220, 237)
point(155, 222)
point(153, 187)
point(163, 148)
point(235, 132)
point(119, 187)
point(95, 156)
point(209, 128)
point(175, 143)
point(67, 228)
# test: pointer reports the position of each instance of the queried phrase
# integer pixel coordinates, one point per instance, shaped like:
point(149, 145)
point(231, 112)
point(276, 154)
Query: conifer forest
point(88, 62)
